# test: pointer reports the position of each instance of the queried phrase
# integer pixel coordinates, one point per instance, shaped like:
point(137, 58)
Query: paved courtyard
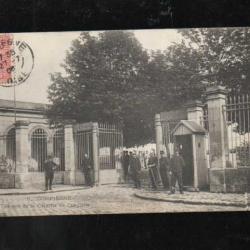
point(105, 199)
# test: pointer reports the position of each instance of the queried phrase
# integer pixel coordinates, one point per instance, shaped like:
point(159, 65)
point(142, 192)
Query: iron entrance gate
point(167, 136)
point(110, 146)
point(59, 148)
point(39, 140)
point(109, 143)
point(83, 145)
point(40, 149)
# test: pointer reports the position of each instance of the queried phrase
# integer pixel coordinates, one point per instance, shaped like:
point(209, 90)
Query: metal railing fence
point(110, 146)
point(237, 115)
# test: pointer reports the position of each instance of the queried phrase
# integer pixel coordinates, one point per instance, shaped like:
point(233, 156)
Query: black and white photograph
point(124, 121)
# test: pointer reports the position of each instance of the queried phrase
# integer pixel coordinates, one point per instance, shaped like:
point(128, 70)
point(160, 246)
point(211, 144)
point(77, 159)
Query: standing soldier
point(177, 165)
point(87, 168)
point(164, 169)
point(135, 169)
point(125, 165)
point(152, 168)
point(49, 168)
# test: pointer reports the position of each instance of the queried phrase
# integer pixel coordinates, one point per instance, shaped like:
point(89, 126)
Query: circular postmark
point(16, 61)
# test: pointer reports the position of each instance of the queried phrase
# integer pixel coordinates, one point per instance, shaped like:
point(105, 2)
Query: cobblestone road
point(98, 200)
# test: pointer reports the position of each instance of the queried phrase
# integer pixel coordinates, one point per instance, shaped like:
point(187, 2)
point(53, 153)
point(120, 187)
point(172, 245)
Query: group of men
point(169, 169)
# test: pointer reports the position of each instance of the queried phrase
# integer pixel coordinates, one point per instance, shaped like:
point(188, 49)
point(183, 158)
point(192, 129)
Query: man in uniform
point(135, 169)
point(87, 168)
point(125, 165)
point(152, 168)
point(49, 168)
point(177, 165)
point(164, 169)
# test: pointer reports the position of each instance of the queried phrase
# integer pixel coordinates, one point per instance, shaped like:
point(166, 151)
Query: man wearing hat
point(49, 168)
point(152, 168)
point(164, 169)
point(88, 170)
point(177, 164)
point(125, 165)
point(135, 169)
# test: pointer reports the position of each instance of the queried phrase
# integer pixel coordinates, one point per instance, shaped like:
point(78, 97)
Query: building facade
point(27, 138)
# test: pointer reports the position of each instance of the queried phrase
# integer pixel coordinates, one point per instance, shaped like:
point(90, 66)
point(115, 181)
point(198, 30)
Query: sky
point(49, 50)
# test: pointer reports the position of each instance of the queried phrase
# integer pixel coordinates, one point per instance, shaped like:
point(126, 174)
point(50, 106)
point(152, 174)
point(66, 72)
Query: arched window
point(59, 148)
point(11, 144)
point(39, 140)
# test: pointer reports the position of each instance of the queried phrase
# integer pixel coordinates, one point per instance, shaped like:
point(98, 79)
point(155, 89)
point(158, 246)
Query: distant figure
point(135, 169)
point(130, 154)
point(87, 168)
point(177, 164)
point(164, 169)
point(49, 168)
point(125, 165)
point(152, 167)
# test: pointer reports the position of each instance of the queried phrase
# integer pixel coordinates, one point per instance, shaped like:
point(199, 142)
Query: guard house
point(213, 137)
point(189, 138)
point(181, 129)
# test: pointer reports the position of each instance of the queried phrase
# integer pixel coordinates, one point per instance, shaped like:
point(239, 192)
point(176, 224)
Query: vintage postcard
point(124, 121)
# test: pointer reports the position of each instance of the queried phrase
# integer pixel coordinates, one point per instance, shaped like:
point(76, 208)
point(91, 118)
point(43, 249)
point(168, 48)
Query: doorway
point(184, 144)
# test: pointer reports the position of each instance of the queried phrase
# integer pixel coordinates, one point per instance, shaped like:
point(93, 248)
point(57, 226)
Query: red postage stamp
point(16, 60)
point(6, 46)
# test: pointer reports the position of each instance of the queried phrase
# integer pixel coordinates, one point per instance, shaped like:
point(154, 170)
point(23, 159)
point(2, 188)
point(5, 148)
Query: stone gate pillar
point(70, 166)
point(96, 153)
point(195, 111)
point(22, 146)
point(158, 134)
point(216, 101)
point(218, 135)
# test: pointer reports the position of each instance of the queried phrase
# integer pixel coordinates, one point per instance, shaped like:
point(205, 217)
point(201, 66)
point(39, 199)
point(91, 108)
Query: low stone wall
point(111, 176)
point(7, 180)
point(77, 176)
point(237, 180)
point(36, 180)
point(28, 180)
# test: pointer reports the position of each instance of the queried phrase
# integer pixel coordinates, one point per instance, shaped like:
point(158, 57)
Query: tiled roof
point(25, 106)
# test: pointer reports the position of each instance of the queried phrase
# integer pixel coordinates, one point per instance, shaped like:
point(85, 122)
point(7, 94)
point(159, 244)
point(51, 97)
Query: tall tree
point(104, 81)
point(216, 56)
point(204, 57)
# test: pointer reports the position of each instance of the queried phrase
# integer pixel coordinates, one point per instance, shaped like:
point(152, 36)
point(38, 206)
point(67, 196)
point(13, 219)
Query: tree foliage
point(104, 82)
point(221, 56)
point(110, 77)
